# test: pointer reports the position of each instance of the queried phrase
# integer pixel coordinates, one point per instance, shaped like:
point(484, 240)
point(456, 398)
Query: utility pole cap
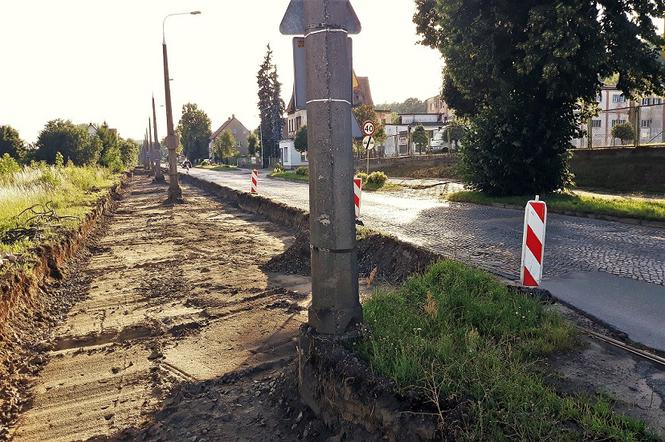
point(341, 14)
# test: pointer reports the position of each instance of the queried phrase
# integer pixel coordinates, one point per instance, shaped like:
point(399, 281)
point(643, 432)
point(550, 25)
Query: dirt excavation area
point(178, 334)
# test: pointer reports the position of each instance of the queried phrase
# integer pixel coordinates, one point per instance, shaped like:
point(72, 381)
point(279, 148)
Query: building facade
point(646, 115)
point(239, 131)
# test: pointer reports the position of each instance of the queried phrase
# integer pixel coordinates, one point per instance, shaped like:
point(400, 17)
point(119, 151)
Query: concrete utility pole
point(175, 193)
point(151, 147)
point(146, 151)
point(326, 24)
point(159, 176)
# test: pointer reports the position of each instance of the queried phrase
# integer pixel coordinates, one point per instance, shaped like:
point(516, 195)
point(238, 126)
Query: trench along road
point(611, 270)
point(171, 295)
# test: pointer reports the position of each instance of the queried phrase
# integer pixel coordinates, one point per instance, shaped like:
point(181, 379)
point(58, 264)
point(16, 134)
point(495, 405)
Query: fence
point(647, 122)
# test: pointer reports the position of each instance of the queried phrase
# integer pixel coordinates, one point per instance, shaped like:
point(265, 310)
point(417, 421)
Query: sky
point(100, 60)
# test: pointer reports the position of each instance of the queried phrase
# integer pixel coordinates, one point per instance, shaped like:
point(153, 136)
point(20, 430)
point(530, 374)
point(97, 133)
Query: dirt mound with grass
point(388, 259)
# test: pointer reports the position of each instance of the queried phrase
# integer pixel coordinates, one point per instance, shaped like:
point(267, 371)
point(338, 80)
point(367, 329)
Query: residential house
point(239, 131)
point(297, 118)
point(436, 105)
point(398, 135)
point(615, 109)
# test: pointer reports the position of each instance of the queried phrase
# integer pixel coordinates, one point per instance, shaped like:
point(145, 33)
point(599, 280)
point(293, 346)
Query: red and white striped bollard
point(357, 194)
point(533, 243)
point(255, 182)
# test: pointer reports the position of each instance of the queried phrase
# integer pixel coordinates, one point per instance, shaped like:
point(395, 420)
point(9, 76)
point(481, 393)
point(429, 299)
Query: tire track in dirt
point(171, 295)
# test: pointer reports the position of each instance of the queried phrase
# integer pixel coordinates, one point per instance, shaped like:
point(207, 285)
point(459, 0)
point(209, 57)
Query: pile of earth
point(389, 259)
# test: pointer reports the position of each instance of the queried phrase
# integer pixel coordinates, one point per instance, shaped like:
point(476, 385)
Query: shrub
point(624, 132)
point(362, 176)
point(8, 166)
point(377, 179)
point(278, 168)
point(59, 160)
point(302, 171)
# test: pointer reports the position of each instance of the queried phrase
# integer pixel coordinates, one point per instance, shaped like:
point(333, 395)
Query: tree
point(110, 155)
point(129, 152)
point(408, 106)
point(225, 146)
point(421, 138)
point(194, 129)
point(522, 71)
point(455, 133)
point(271, 108)
point(72, 141)
point(253, 144)
point(624, 132)
point(366, 112)
point(11, 143)
point(300, 143)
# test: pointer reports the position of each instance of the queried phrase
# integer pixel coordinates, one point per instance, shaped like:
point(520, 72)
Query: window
point(657, 101)
point(615, 122)
point(646, 101)
point(599, 98)
point(646, 123)
point(596, 123)
point(618, 98)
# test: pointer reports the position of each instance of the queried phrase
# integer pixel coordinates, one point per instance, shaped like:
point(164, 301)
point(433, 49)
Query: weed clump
point(473, 348)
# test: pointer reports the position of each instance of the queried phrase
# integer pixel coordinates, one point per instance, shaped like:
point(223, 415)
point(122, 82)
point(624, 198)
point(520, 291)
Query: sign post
point(533, 243)
point(326, 24)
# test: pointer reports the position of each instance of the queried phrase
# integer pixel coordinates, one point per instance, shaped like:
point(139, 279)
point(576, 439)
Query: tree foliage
point(420, 137)
point(253, 145)
point(225, 146)
point(271, 107)
point(11, 143)
point(300, 143)
point(73, 142)
point(195, 131)
point(110, 154)
point(129, 152)
point(624, 131)
point(408, 106)
point(521, 71)
point(366, 112)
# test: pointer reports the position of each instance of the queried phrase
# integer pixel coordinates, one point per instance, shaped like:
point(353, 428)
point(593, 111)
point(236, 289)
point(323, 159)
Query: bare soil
point(165, 300)
point(178, 323)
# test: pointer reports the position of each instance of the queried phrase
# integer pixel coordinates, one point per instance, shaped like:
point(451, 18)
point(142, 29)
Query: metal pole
point(335, 302)
point(159, 176)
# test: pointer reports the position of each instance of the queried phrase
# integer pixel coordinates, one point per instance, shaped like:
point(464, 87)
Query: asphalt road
point(613, 271)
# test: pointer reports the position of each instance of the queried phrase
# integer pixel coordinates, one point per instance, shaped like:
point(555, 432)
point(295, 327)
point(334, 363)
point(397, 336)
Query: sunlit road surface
point(633, 300)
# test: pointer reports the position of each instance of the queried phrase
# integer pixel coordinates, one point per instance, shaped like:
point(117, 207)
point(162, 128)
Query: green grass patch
point(644, 209)
point(290, 176)
point(474, 349)
point(71, 191)
point(217, 167)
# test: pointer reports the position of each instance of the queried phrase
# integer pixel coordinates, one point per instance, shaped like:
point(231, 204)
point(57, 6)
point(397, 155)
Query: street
point(612, 271)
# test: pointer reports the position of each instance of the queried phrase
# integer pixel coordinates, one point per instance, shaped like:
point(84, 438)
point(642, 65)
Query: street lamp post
point(175, 193)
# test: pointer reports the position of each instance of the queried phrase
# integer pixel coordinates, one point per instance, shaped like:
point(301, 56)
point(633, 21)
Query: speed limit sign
point(369, 128)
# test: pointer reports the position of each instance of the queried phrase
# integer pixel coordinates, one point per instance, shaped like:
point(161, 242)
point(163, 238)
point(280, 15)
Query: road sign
point(369, 128)
point(368, 143)
point(533, 243)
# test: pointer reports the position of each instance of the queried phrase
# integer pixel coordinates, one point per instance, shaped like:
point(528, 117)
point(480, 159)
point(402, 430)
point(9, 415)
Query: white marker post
point(533, 243)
